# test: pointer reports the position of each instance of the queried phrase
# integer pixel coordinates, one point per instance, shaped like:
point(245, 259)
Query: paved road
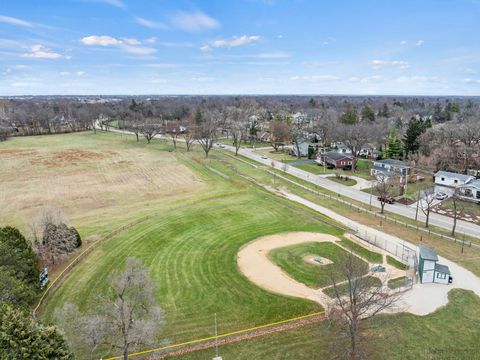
point(438, 220)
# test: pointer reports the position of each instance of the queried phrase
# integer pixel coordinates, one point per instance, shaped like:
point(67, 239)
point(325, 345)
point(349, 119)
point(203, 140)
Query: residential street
point(441, 221)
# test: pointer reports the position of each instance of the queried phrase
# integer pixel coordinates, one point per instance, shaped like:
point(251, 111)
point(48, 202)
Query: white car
point(441, 196)
point(264, 157)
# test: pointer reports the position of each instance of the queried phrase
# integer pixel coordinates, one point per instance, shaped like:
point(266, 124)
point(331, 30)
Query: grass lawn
point(464, 207)
point(369, 281)
point(363, 169)
point(290, 259)
point(401, 337)
point(243, 143)
point(191, 255)
point(397, 282)
point(370, 256)
point(278, 155)
point(348, 182)
point(413, 188)
point(395, 263)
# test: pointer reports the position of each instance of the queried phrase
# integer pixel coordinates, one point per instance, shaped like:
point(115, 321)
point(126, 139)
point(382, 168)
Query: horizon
point(246, 47)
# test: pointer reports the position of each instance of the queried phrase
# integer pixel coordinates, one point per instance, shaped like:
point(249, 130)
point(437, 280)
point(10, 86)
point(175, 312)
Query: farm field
point(97, 180)
point(191, 250)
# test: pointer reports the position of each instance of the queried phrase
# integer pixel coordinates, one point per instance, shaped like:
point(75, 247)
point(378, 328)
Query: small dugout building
point(429, 270)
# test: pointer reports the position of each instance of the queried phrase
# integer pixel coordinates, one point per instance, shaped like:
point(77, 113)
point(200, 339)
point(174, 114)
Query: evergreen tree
point(415, 128)
point(384, 111)
point(368, 113)
point(349, 116)
point(393, 147)
point(312, 102)
point(22, 338)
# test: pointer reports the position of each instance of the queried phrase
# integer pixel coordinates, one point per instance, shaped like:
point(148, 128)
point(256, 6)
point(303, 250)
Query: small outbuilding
point(429, 270)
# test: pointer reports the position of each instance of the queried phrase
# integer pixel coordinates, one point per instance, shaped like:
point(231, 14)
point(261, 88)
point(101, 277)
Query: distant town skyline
point(273, 47)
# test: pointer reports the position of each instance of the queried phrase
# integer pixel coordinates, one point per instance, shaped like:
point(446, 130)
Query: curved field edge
point(401, 336)
point(191, 255)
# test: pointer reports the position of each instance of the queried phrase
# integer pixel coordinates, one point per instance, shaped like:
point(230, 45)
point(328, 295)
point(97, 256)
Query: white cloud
point(101, 40)
point(150, 23)
point(151, 40)
point(131, 41)
point(157, 81)
point(162, 65)
point(196, 21)
point(15, 21)
point(419, 42)
point(80, 73)
point(372, 79)
point(316, 78)
point(329, 41)
point(138, 50)
point(403, 42)
point(117, 3)
point(64, 73)
point(232, 42)
point(41, 52)
point(378, 64)
point(471, 81)
point(129, 45)
point(203, 79)
point(274, 55)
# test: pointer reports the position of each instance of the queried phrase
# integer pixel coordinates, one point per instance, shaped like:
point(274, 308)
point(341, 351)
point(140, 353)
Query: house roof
point(427, 253)
point(475, 183)
point(334, 155)
point(393, 162)
point(442, 269)
point(453, 175)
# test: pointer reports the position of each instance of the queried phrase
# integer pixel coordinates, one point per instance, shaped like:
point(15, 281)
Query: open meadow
point(191, 242)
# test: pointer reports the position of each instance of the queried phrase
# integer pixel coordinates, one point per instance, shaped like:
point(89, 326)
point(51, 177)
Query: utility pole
point(418, 200)
point(217, 357)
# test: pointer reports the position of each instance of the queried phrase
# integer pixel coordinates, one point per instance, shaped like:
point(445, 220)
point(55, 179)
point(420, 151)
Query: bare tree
point(426, 203)
point(457, 208)
point(150, 128)
point(237, 126)
point(173, 129)
point(128, 316)
point(280, 133)
point(382, 190)
point(206, 129)
point(356, 299)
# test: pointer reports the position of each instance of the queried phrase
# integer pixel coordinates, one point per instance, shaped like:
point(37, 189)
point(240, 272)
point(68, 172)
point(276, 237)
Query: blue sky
point(367, 47)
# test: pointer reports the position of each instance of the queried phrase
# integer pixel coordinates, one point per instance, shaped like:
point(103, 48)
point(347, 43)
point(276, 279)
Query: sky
point(134, 47)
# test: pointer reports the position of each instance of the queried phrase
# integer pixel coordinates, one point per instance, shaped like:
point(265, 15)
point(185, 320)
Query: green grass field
point(344, 180)
point(191, 254)
point(396, 337)
point(291, 260)
point(370, 256)
point(191, 246)
point(395, 263)
point(368, 281)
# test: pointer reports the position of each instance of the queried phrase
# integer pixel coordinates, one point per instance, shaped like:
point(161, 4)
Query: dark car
point(386, 199)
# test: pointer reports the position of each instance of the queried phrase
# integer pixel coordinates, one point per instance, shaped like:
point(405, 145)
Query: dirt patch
point(313, 259)
point(405, 201)
point(16, 152)
point(254, 263)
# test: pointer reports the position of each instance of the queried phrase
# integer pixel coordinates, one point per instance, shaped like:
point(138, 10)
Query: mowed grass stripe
point(191, 253)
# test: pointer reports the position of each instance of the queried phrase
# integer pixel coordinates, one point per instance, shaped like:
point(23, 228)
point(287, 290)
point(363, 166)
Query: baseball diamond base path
point(254, 263)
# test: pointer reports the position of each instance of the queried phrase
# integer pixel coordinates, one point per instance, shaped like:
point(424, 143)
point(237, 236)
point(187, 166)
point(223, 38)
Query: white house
point(446, 178)
point(392, 169)
point(340, 147)
point(468, 187)
point(429, 270)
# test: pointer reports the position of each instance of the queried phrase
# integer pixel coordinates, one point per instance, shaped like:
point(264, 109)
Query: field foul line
point(237, 332)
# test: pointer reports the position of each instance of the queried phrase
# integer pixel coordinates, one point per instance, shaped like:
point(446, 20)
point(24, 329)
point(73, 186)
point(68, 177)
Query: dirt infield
point(253, 262)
